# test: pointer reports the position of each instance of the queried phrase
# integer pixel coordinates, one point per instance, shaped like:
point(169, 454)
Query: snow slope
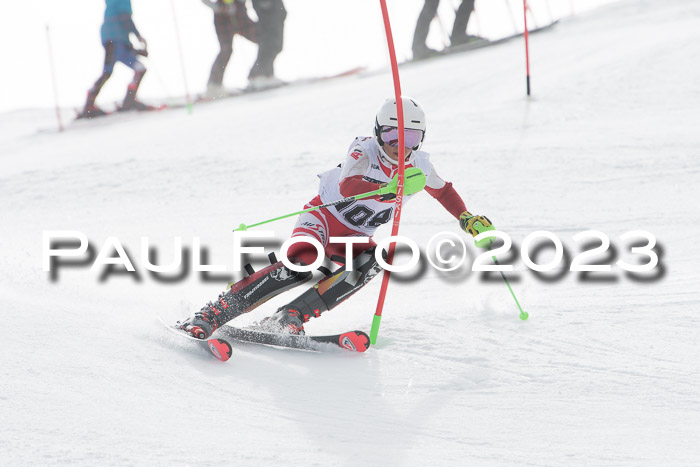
point(605, 372)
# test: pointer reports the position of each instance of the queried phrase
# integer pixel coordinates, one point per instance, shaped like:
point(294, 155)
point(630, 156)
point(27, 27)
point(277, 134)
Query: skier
point(116, 29)
point(230, 18)
point(371, 163)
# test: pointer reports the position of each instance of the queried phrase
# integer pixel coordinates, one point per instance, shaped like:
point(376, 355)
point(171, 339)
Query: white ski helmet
point(413, 116)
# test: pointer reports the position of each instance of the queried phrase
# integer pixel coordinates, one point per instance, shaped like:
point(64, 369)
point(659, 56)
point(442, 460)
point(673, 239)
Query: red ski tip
point(220, 348)
point(354, 340)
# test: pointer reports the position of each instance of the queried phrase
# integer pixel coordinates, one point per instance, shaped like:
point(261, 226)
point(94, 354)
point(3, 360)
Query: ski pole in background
point(549, 11)
point(374, 333)
point(476, 21)
point(53, 79)
point(415, 182)
point(512, 17)
point(443, 30)
point(527, 48)
point(188, 101)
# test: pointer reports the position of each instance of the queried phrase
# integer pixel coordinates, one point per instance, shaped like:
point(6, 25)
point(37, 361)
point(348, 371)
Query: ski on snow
point(220, 348)
point(356, 341)
point(479, 44)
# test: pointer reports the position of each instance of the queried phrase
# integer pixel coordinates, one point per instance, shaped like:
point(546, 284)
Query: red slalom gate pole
point(53, 80)
point(399, 190)
point(527, 48)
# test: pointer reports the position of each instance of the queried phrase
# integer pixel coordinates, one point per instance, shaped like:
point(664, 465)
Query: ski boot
point(285, 320)
point(91, 111)
point(462, 39)
point(130, 102)
point(244, 296)
point(421, 53)
point(133, 104)
point(200, 326)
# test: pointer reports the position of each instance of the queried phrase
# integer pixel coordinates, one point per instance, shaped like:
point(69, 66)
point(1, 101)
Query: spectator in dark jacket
point(271, 16)
point(230, 18)
point(116, 30)
point(459, 29)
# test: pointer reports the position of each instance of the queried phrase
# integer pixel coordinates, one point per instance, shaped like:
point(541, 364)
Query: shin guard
point(334, 289)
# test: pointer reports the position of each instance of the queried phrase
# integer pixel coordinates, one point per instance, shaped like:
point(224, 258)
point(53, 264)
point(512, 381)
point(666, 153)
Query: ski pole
point(523, 314)
point(415, 182)
point(476, 20)
point(188, 101)
point(512, 17)
point(486, 243)
point(53, 79)
point(549, 11)
point(445, 35)
point(327, 205)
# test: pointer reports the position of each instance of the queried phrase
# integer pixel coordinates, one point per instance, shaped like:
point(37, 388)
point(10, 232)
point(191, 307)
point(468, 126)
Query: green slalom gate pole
point(374, 332)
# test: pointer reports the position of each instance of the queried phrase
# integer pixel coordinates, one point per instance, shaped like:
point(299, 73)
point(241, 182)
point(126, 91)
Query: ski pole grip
point(481, 228)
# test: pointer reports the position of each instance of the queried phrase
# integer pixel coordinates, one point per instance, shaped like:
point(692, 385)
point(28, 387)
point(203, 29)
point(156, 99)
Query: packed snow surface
point(605, 371)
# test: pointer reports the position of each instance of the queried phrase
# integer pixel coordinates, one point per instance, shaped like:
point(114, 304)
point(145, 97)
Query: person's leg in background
point(459, 29)
point(420, 49)
point(224, 32)
point(91, 110)
point(271, 17)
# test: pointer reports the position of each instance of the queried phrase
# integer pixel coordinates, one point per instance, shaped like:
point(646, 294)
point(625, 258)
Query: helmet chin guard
point(414, 119)
point(384, 157)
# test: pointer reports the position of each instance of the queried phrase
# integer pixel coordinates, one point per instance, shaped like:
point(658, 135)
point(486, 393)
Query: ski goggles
point(390, 136)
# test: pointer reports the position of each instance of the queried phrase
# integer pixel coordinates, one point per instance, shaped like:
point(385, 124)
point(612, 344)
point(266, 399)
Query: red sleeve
point(355, 185)
point(449, 198)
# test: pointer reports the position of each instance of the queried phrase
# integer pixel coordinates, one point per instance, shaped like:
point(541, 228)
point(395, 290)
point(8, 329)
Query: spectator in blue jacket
point(116, 30)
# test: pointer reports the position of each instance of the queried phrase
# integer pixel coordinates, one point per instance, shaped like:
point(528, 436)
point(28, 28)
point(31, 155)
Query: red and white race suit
point(365, 167)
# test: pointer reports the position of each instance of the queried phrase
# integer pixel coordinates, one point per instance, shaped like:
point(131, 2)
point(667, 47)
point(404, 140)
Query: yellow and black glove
point(474, 225)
